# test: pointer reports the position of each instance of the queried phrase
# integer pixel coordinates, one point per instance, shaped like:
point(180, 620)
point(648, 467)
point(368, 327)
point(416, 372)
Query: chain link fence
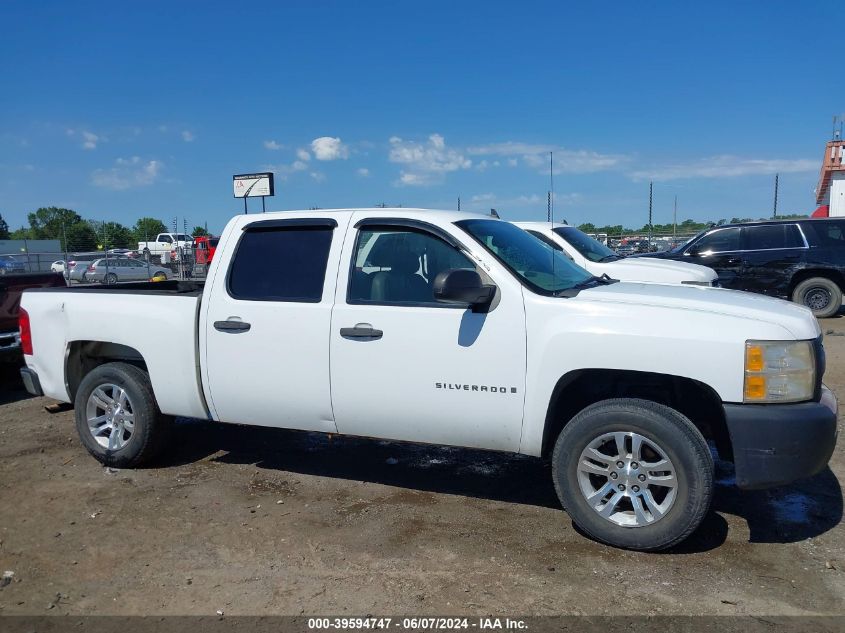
point(93, 257)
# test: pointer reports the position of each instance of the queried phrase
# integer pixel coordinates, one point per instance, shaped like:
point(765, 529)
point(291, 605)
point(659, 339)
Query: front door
point(407, 367)
point(721, 250)
point(771, 254)
point(267, 325)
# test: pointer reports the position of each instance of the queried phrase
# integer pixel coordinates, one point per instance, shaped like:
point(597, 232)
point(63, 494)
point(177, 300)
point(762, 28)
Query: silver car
point(125, 269)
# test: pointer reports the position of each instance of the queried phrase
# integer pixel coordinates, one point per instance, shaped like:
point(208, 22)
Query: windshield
point(537, 265)
point(592, 249)
point(181, 237)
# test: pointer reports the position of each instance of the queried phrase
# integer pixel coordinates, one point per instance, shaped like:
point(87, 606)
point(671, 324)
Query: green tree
point(49, 223)
point(4, 228)
point(112, 235)
point(146, 229)
point(199, 231)
point(22, 233)
point(81, 237)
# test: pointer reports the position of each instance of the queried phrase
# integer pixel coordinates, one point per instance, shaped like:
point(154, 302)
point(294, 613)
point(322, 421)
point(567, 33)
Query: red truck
point(204, 248)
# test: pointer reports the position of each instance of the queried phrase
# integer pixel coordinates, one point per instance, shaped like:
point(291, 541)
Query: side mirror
point(693, 251)
point(460, 285)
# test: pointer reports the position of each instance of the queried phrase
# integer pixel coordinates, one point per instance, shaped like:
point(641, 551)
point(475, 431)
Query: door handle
point(361, 330)
point(232, 327)
point(734, 260)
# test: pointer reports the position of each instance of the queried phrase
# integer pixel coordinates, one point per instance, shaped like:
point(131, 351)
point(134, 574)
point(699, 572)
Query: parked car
point(58, 266)
point(11, 287)
point(600, 260)
point(9, 264)
point(450, 328)
point(112, 271)
point(76, 269)
point(799, 260)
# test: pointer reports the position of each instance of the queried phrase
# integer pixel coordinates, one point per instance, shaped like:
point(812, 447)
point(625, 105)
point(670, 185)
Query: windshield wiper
point(590, 282)
point(610, 258)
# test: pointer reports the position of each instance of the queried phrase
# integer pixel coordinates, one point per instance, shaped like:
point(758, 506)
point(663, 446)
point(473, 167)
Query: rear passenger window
point(772, 236)
point(281, 264)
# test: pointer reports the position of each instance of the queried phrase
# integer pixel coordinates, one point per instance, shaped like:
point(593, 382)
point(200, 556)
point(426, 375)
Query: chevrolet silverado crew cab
point(457, 329)
point(599, 260)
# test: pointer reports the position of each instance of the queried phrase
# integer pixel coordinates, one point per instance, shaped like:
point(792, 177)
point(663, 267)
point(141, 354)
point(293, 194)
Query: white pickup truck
point(598, 259)
point(450, 328)
point(165, 243)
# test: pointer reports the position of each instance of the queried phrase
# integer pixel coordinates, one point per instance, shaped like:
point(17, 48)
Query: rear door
point(407, 367)
point(721, 250)
point(771, 253)
point(266, 324)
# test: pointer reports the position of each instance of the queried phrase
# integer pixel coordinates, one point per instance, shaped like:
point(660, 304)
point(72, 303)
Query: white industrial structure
point(830, 193)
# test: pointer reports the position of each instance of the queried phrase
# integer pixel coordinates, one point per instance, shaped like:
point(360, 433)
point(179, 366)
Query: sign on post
point(253, 186)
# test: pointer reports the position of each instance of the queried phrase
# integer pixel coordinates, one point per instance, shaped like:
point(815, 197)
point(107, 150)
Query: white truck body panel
point(161, 328)
point(294, 370)
point(642, 270)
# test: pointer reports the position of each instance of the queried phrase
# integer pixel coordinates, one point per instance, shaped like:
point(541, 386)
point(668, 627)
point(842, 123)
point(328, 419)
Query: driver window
point(398, 266)
point(721, 241)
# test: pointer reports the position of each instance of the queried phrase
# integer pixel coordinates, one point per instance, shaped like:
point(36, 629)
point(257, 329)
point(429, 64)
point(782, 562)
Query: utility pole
point(675, 221)
point(459, 203)
point(775, 210)
point(650, 202)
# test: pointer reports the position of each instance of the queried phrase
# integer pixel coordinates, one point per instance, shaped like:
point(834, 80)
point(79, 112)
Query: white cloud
point(536, 156)
point(299, 166)
point(127, 173)
point(272, 145)
point(329, 148)
point(284, 170)
point(89, 139)
point(318, 176)
point(724, 166)
point(188, 136)
point(426, 163)
point(363, 172)
point(303, 155)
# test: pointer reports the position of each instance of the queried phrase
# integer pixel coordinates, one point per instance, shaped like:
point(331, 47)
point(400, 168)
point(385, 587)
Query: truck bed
point(151, 322)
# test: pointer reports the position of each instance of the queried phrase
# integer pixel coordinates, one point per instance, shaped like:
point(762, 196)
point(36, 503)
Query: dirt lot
point(257, 521)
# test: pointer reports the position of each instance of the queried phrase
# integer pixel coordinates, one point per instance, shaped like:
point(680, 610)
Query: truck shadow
point(784, 515)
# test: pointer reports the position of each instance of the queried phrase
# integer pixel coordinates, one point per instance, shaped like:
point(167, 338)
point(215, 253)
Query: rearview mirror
point(460, 285)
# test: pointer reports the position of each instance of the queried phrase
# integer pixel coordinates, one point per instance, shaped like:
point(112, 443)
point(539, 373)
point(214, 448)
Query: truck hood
point(795, 319)
point(660, 270)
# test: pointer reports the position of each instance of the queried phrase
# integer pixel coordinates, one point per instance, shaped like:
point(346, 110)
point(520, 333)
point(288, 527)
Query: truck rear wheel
point(823, 296)
point(633, 473)
point(117, 417)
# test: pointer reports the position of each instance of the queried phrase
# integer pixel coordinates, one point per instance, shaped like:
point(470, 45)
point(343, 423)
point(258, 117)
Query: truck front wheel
point(117, 417)
point(633, 473)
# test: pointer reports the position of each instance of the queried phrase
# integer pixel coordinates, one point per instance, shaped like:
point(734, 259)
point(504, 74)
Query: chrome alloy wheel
point(110, 415)
point(627, 479)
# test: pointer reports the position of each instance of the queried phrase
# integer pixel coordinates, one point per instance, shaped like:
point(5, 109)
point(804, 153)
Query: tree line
point(78, 234)
point(685, 228)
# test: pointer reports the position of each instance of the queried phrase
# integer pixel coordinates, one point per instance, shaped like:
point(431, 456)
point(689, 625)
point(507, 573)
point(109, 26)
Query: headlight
point(779, 371)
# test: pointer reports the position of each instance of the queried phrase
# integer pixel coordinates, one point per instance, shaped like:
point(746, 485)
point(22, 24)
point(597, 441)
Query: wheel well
point(83, 356)
point(801, 275)
point(579, 389)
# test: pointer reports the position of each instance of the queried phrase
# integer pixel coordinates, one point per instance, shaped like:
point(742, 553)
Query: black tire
point(822, 295)
point(110, 279)
point(675, 435)
point(151, 428)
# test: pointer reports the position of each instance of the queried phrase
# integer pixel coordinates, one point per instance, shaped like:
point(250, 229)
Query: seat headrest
point(404, 261)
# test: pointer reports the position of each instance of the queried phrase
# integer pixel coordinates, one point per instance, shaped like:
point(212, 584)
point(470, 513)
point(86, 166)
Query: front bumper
point(776, 444)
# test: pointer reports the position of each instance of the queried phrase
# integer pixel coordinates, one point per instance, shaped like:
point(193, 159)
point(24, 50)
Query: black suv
point(801, 260)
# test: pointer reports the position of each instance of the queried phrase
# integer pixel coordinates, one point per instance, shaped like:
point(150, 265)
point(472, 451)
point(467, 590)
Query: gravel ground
point(262, 521)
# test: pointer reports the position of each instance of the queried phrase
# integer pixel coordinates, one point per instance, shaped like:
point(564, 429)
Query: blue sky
point(123, 109)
